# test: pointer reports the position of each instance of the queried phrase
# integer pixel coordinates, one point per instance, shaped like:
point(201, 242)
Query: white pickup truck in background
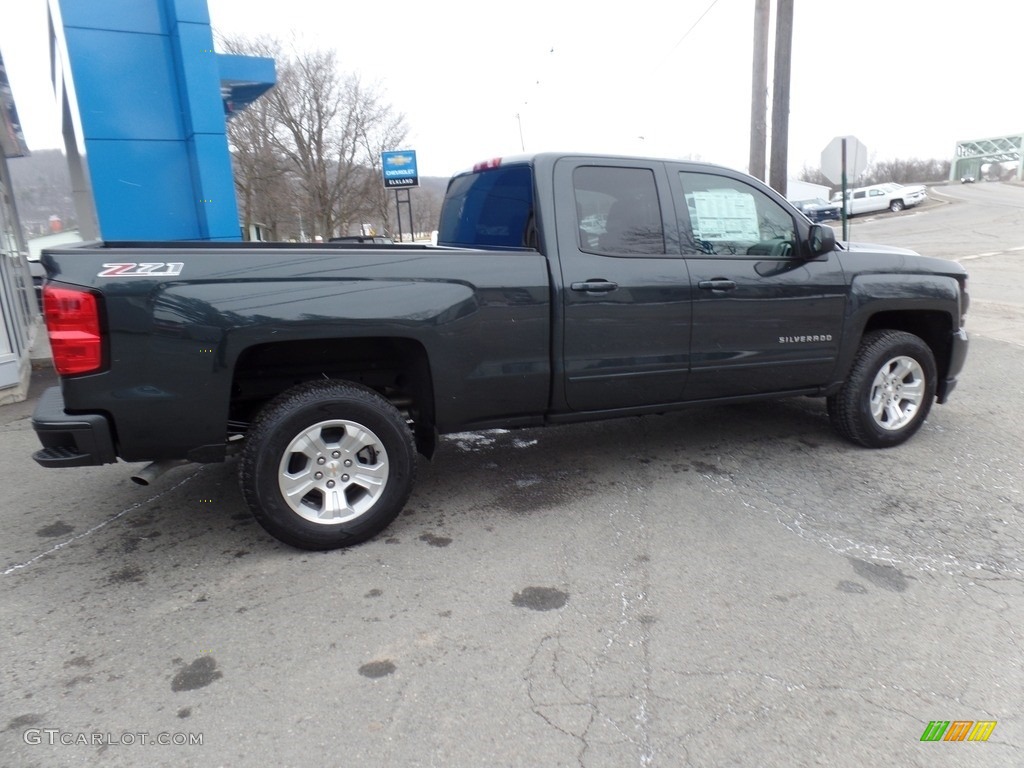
point(879, 197)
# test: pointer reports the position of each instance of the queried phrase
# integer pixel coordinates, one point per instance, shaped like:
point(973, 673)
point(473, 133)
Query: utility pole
point(759, 90)
point(780, 96)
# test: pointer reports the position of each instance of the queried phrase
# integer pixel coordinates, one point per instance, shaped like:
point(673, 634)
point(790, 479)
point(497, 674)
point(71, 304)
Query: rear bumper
point(958, 353)
point(70, 440)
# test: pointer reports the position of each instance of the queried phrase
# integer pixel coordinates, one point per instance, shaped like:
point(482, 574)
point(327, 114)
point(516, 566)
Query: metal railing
point(19, 308)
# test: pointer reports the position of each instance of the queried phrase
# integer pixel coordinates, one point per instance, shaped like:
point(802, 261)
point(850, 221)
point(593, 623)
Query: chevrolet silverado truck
point(881, 197)
point(563, 288)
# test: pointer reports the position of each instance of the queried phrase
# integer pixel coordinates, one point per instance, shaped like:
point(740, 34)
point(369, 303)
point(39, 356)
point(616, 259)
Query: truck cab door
point(624, 289)
point(767, 314)
point(878, 200)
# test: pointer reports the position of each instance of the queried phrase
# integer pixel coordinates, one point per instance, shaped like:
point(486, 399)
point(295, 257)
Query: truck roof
point(547, 159)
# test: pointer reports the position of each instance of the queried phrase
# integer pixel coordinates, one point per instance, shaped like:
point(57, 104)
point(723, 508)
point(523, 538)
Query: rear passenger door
point(625, 292)
point(767, 316)
point(860, 202)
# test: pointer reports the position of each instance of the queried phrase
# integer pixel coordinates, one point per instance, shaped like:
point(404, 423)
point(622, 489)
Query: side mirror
point(822, 239)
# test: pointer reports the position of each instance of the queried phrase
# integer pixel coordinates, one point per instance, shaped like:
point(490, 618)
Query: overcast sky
point(907, 77)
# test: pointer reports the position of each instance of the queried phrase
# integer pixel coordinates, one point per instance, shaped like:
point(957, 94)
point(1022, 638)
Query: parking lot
point(733, 586)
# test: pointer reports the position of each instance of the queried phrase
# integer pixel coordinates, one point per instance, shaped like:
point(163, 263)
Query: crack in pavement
point(98, 526)
point(565, 688)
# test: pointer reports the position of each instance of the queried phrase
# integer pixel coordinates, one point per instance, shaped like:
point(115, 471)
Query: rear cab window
point(490, 208)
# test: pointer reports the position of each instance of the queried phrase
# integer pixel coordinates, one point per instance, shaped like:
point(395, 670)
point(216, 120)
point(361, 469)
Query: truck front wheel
point(889, 391)
point(327, 464)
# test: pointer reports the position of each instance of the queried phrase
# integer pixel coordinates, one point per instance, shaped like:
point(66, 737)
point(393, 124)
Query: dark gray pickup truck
point(564, 288)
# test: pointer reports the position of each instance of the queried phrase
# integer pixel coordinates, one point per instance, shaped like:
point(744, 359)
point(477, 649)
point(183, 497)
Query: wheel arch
point(397, 368)
point(926, 305)
point(933, 327)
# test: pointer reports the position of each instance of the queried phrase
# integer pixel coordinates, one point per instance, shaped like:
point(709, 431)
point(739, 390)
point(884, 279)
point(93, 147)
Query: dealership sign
point(400, 169)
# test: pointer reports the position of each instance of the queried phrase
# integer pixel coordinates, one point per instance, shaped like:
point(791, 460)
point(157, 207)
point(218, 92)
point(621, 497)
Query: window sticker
point(723, 214)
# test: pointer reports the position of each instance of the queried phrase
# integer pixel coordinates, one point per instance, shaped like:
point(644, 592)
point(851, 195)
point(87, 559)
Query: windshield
point(493, 207)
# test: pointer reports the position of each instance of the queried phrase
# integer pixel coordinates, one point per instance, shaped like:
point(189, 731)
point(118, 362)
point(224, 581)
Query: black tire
point(889, 390)
point(345, 453)
point(896, 206)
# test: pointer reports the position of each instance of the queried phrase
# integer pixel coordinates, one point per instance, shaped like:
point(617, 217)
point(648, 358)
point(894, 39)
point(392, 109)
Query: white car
point(879, 197)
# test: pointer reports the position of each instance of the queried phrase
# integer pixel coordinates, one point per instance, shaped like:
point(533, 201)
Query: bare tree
point(375, 129)
point(907, 171)
point(306, 103)
point(385, 131)
point(427, 210)
point(814, 176)
point(911, 171)
point(311, 148)
point(333, 131)
point(264, 180)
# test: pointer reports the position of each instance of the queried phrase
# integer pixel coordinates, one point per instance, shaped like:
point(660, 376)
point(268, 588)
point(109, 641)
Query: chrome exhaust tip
point(149, 473)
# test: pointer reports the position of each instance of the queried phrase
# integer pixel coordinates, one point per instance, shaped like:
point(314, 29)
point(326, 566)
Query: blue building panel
point(125, 83)
point(216, 206)
point(115, 15)
point(196, 64)
point(145, 192)
point(194, 11)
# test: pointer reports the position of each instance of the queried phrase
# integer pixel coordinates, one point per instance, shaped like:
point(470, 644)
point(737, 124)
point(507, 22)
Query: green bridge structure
point(989, 158)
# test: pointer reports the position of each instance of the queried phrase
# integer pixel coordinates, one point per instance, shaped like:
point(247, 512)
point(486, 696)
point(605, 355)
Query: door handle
point(595, 286)
point(718, 284)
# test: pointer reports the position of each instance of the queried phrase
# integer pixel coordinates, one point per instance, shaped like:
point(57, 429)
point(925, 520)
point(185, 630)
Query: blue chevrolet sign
point(400, 169)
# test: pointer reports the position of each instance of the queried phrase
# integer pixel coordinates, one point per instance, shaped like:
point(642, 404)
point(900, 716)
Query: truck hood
point(890, 257)
point(874, 248)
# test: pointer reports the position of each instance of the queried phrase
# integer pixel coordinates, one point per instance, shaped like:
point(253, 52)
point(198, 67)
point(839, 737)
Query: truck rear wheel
point(327, 464)
point(889, 390)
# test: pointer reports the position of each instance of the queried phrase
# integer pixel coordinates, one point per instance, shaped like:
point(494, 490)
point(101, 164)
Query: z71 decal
point(148, 269)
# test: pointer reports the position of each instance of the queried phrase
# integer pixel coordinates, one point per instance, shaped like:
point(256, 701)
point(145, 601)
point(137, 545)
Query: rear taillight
point(73, 325)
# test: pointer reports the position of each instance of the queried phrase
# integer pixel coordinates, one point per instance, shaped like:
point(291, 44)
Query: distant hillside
point(42, 188)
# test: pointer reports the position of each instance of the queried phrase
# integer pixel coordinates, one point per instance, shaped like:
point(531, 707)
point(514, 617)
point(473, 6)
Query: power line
point(698, 21)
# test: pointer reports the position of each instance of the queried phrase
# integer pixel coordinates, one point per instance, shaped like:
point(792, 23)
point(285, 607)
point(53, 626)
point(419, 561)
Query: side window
point(876, 193)
point(617, 211)
point(859, 195)
point(729, 217)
